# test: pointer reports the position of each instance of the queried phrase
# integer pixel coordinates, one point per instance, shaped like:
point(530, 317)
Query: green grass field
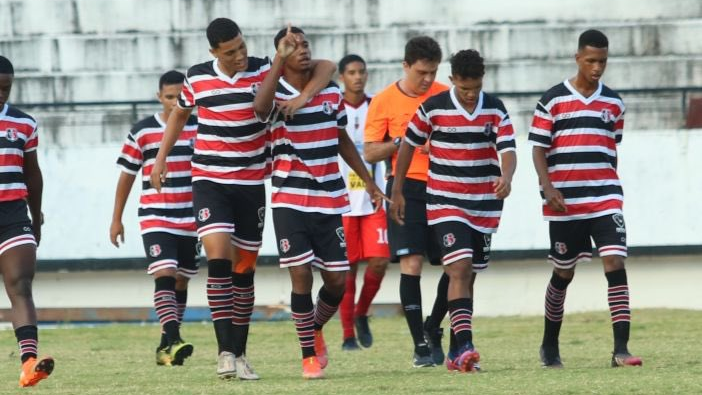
point(119, 359)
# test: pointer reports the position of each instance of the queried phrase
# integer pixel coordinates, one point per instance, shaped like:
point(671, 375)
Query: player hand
point(503, 187)
point(158, 174)
point(288, 44)
point(289, 108)
point(116, 230)
point(554, 199)
point(397, 208)
point(424, 149)
point(377, 196)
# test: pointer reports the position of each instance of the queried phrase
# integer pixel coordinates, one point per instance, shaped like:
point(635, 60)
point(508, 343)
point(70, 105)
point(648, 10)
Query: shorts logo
point(284, 245)
point(261, 216)
point(198, 249)
point(27, 229)
point(619, 221)
point(488, 239)
point(254, 88)
point(449, 239)
point(560, 247)
point(606, 115)
point(11, 135)
point(154, 250)
point(327, 107)
point(204, 214)
point(488, 128)
point(340, 234)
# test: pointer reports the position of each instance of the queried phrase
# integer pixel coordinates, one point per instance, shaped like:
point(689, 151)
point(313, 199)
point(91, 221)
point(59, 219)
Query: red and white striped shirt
point(18, 134)
point(305, 152)
point(463, 161)
point(231, 143)
point(171, 210)
point(581, 136)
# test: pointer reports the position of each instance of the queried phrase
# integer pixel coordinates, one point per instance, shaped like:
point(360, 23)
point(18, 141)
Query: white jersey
point(360, 201)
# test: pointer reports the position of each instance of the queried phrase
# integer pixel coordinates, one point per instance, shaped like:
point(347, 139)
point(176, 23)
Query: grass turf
point(119, 359)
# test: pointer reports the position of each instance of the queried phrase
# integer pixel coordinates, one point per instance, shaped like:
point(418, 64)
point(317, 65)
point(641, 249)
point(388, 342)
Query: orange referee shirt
point(388, 115)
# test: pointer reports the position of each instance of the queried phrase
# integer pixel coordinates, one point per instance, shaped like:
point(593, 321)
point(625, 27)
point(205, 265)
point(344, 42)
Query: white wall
point(659, 171)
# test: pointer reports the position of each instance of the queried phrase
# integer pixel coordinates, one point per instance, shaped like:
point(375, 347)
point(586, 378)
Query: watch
point(397, 141)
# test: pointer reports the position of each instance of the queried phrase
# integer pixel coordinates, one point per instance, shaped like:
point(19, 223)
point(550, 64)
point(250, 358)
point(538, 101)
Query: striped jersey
point(305, 152)
point(581, 136)
point(18, 134)
point(171, 210)
point(359, 200)
point(231, 143)
point(463, 161)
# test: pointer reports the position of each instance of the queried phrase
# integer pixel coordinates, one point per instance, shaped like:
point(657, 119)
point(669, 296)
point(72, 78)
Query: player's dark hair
point(349, 59)
point(6, 66)
point(172, 77)
point(283, 32)
point(422, 48)
point(221, 30)
point(467, 63)
point(592, 38)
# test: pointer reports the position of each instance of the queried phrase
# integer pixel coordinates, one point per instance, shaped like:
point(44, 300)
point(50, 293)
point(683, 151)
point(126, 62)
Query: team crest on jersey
point(560, 247)
point(340, 234)
point(11, 135)
point(488, 128)
point(606, 115)
point(191, 142)
point(254, 88)
point(261, 216)
point(449, 239)
point(284, 245)
point(154, 250)
point(327, 107)
point(204, 214)
point(619, 221)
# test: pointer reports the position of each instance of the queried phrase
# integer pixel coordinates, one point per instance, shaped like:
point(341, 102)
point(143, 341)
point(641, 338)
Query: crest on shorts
point(340, 234)
point(606, 115)
point(327, 107)
point(261, 216)
point(11, 135)
point(560, 247)
point(488, 128)
point(284, 245)
point(198, 248)
point(488, 239)
point(254, 88)
point(203, 215)
point(449, 239)
point(154, 250)
point(619, 221)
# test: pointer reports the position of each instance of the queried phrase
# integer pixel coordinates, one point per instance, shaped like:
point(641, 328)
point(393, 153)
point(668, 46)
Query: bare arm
point(554, 198)
point(348, 152)
point(35, 187)
point(124, 186)
point(176, 122)
point(263, 103)
point(503, 185)
point(404, 158)
point(378, 151)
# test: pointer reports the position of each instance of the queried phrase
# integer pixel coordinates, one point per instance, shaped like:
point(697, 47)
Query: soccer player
point(21, 187)
point(575, 131)
point(466, 129)
point(165, 217)
point(309, 194)
point(388, 115)
point(228, 170)
point(364, 226)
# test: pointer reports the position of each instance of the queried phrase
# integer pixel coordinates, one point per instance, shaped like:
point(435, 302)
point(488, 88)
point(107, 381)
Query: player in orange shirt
point(388, 115)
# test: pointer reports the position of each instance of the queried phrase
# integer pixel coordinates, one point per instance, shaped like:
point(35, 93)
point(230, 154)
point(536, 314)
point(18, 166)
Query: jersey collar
point(462, 110)
point(585, 100)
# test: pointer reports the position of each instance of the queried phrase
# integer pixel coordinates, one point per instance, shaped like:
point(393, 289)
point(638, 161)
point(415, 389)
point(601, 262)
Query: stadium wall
point(659, 171)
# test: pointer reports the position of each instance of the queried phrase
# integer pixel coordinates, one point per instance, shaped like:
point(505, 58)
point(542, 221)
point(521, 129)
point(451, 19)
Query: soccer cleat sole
point(181, 354)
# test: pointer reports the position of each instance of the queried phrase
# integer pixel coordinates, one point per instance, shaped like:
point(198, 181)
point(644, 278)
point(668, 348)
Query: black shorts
point(460, 241)
point(15, 226)
point(169, 251)
point(571, 241)
point(236, 209)
point(310, 238)
point(415, 237)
